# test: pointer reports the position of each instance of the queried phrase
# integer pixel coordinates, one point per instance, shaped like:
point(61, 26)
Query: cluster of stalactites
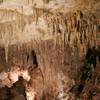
point(14, 19)
point(77, 27)
point(12, 23)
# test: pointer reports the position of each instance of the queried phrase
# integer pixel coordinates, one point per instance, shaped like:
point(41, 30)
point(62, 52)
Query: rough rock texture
point(54, 45)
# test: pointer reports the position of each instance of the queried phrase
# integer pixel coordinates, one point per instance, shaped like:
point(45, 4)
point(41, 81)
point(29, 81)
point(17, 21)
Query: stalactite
point(6, 52)
point(36, 14)
point(6, 43)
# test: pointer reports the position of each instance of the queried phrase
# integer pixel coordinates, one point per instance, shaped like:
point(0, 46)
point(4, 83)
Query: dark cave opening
point(32, 60)
point(16, 92)
point(86, 72)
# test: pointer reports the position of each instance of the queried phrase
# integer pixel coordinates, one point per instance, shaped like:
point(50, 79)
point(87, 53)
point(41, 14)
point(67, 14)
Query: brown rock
point(19, 97)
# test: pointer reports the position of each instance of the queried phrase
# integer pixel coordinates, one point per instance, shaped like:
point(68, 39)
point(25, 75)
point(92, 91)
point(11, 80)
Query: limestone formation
point(53, 45)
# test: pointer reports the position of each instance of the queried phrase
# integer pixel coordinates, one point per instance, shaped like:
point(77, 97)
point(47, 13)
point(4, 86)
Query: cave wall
point(59, 50)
